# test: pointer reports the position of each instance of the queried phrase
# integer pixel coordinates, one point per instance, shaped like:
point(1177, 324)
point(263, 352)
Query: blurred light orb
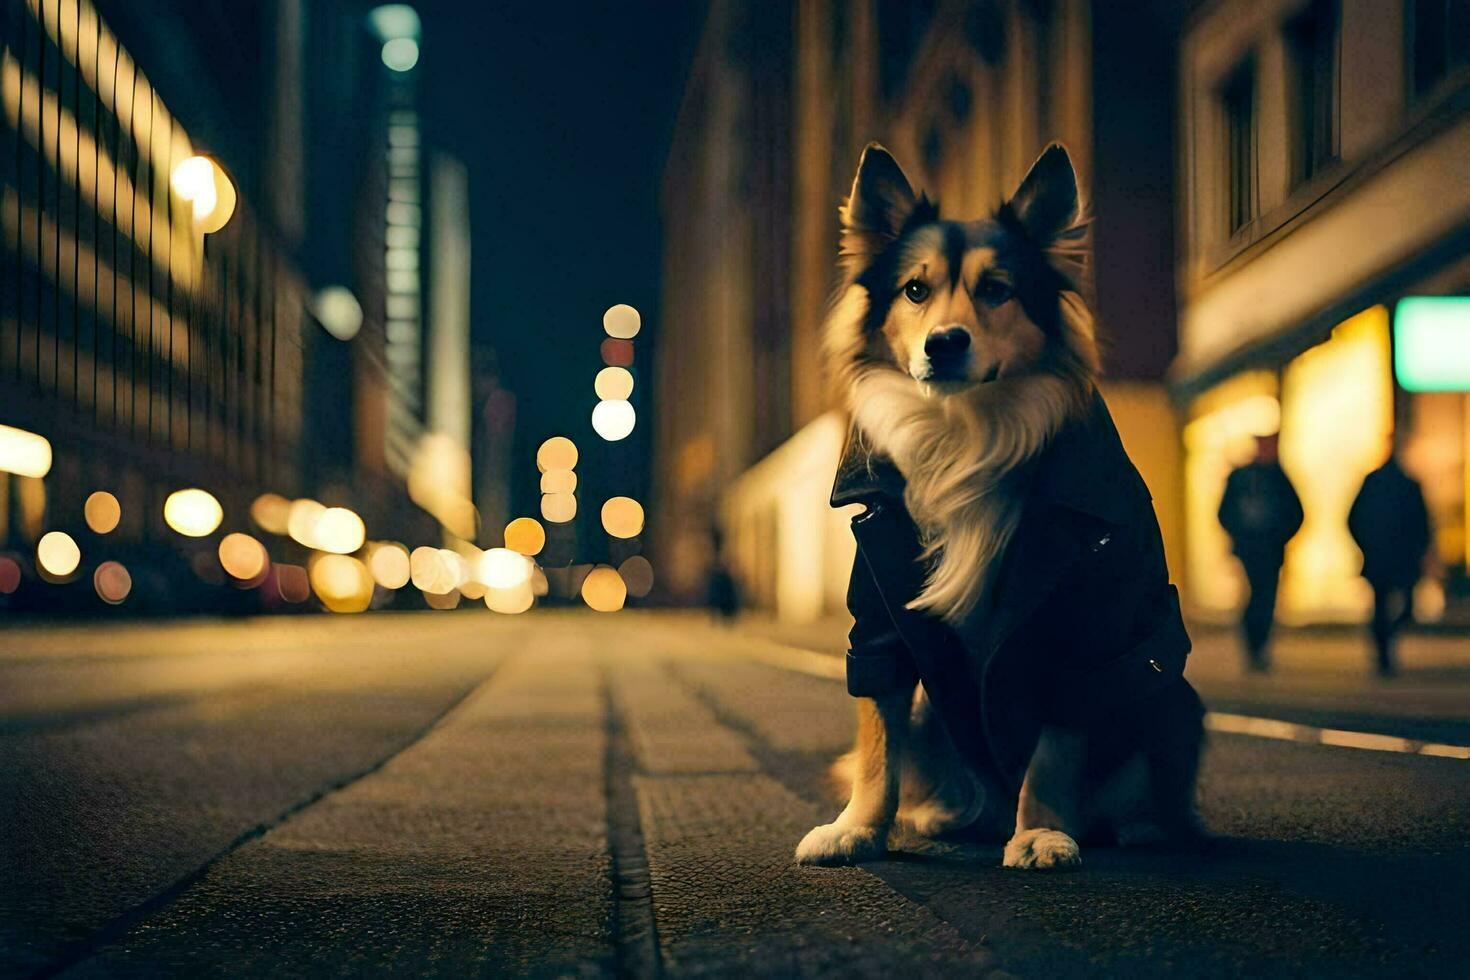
point(539, 585)
point(613, 384)
point(342, 583)
point(271, 512)
point(389, 565)
point(558, 481)
point(9, 575)
point(622, 321)
point(622, 517)
point(24, 453)
point(472, 589)
point(112, 582)
point(339, 531)
point(442, 600)
point(301, 521)
point(57, 554)
point(292, 583)
point(338, 312)
point(456, 565)
point(428, 572)
point(102, 512)
point(193, 513)
point(613, 420)
point(617, 353)
point(511, 601)
point(503, 568)
point(603, 589)
point(202, 182)
point(637, 574)
point(242, 557)
point(392, 20)
point(401, 53)
point(556, 453)
point(558, 508)
point(525, 535)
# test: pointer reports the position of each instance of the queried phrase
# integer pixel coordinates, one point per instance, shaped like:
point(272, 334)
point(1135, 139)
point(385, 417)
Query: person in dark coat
point(1390, 523)
point(1081, 629)
point(1261, 512)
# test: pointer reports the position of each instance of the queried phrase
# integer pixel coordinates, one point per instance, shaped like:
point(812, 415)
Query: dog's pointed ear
point(1047, 204)
point(880, 202)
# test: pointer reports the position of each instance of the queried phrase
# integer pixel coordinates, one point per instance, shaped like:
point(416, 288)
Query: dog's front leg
point(860, 832)
point(1046, 816)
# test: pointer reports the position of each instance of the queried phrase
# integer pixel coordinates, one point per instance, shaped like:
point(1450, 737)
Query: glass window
point(1438, 41)
point(1311, 41)
point(1238, 105)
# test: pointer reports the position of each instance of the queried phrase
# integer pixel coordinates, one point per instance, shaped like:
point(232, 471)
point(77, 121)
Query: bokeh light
point(622, 321)
point(558, 508)
point(558, 481)
point(511, 601)
point(102, 512)
point(637, 575)
point(271, 512)
point(193, 513)
point(401, 53)
point(613, 384)
point(202, 182)
point(9, 575)
point(556, 453)
point(525, 535)
point(242, 557)
point(24, 453)
point(622, 517)
point(603, 589)
point(502, 568)
point(342, 583)
point(613, 420)
point(617, 353)
point(472, 589)
point(112, 582)
point(338, 530)
point(338, 311)
point(301, 521)
point(539, 585)
point(292, 583)
point(389, 565)
point(445, 600)
point(57, 554)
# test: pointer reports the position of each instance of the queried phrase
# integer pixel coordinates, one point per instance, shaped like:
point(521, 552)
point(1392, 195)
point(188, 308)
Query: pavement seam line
point(634, 925)
point(803, 661)
point(119, 925)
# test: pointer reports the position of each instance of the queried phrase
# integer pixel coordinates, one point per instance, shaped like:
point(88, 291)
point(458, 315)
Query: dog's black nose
point(947, 344)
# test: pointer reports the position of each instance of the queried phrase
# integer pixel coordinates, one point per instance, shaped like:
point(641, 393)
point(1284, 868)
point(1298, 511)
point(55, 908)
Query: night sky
point(563, 115)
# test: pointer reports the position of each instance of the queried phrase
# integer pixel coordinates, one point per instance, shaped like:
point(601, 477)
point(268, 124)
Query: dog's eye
point(916, 291)
point(993, 292)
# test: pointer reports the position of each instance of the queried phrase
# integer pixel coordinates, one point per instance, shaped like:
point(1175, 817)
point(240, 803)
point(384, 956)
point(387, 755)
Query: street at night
point(567, 795)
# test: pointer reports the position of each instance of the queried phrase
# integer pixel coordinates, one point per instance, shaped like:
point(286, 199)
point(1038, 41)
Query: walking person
point(1260, 511)
point(1390, 523)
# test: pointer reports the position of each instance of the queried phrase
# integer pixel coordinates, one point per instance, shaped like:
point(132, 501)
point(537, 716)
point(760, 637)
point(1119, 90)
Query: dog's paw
point(838, 843)
point(1042, 849)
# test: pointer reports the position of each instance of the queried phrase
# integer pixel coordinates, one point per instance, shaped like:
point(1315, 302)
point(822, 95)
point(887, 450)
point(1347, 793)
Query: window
point(1311, 42)
point(1238, 108)
point(1438, 41)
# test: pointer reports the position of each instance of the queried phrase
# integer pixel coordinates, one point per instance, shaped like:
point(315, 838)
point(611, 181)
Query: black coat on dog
point(1079, 627)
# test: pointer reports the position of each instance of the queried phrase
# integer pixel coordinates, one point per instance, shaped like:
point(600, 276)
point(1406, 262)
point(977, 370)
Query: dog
point(1017, 650)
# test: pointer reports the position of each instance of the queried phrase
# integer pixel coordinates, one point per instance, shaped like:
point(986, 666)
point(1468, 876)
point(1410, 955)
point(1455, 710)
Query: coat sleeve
point(878, 661)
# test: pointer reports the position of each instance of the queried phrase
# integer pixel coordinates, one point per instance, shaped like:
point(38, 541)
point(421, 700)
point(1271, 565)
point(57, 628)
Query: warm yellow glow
point(622, 517)
point(456, 566)
point(613, 420)
point(338, 311)
point(637, 574)
point(502, 568)
point(613, 384)
point(442, 600)
point(202, 182)
point(472, 589)
point(622, 322)
point(1336, 426)
point(271, 512)
point(389, 565)
point(342, 583)
point(193, 512)
point(242, 557)
point(301, 521)
point(511, 601)
point(102, 512)
point(558, 481)
point(556, 453)
point(525, 535)
point(24, 453)
point(558, 508)
point(603, 589)
point(339, 531)
point(427, 571)
point(112, 582)
point(539, 585)
point(57, 554)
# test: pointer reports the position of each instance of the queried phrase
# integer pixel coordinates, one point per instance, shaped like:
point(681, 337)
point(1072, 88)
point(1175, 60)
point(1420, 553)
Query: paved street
point(564, 794)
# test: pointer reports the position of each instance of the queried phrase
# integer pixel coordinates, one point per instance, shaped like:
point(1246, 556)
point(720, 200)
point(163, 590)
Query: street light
point(202, 182)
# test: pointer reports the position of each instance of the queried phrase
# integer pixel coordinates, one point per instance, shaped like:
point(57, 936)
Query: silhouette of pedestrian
point(722, 594)
point(1260, 511)
point(1390, 523)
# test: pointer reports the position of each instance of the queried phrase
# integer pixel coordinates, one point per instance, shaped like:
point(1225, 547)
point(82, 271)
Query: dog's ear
point(1047, 203)
point(880, 202)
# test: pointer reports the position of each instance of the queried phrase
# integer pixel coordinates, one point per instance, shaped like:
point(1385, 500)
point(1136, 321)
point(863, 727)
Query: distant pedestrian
point(722, 594)
point(1391, 525)
point(1260, 511)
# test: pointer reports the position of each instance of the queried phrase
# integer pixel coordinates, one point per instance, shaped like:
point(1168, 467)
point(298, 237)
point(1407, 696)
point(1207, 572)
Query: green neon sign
point(1431, 343)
